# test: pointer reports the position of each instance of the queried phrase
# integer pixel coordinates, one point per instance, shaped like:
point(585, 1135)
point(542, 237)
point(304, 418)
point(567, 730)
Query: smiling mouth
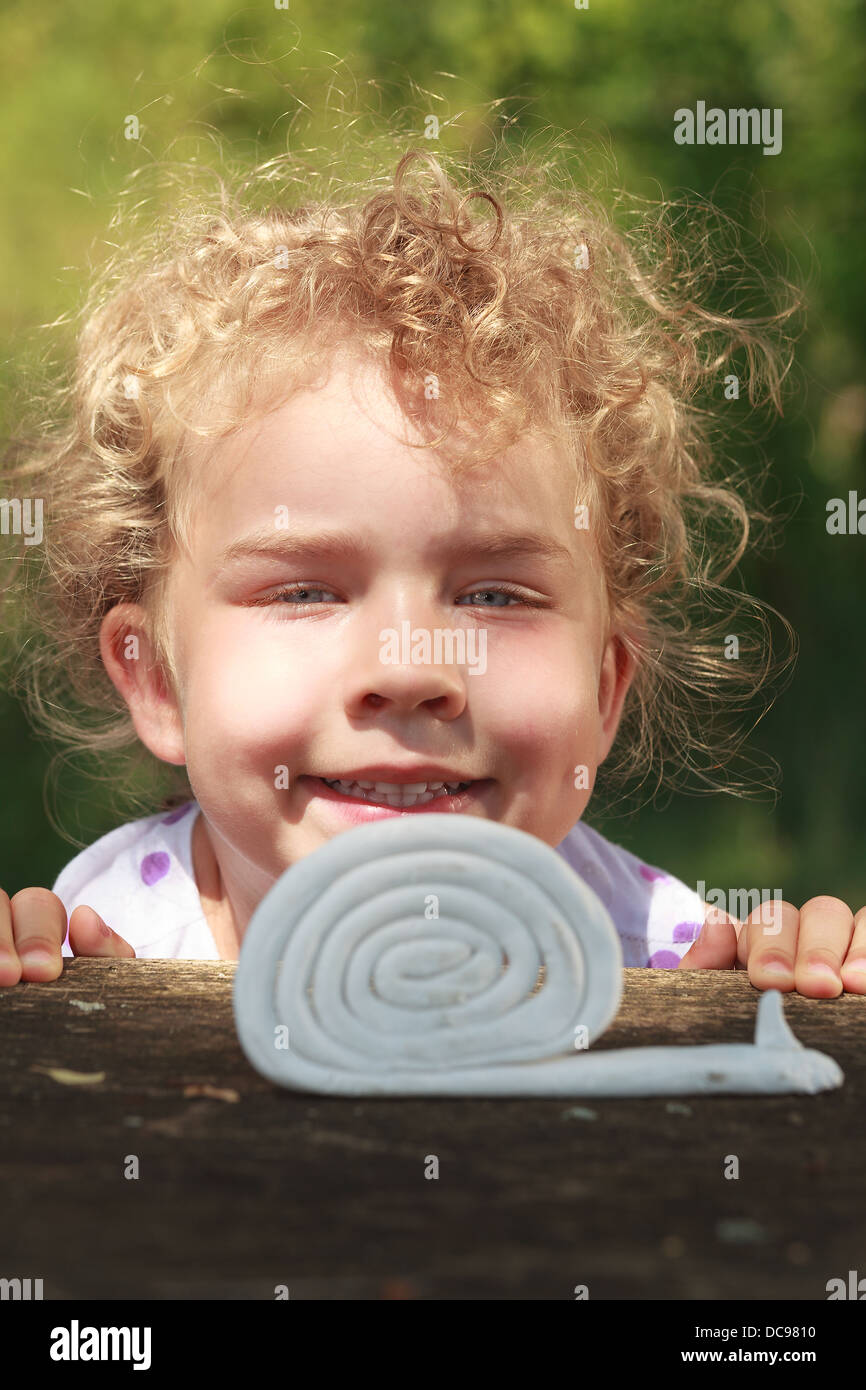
point(394, 794)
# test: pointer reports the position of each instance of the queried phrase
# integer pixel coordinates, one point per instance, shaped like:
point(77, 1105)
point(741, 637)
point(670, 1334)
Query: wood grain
point(244, 1186)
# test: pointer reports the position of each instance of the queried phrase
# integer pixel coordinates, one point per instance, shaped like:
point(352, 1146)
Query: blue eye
point(288, 596)
point(283, 595)
point(499, 593)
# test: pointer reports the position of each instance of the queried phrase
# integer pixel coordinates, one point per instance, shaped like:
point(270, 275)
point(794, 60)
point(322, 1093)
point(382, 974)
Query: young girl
point(301, 438)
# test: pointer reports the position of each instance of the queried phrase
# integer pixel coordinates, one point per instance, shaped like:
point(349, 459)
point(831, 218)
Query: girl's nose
point(408, 665)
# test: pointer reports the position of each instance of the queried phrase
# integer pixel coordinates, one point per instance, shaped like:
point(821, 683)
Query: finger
point(769, 943)
point(10, 965)
point(90, 936)
point(853, 970)
point(38, 928)
point(715, 947)
point(826, 925)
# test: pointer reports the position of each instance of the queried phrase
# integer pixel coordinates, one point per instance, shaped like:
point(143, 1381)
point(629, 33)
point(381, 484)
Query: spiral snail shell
point(456, 956)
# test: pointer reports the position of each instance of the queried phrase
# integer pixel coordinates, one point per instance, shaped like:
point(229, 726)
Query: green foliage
point(613, 73)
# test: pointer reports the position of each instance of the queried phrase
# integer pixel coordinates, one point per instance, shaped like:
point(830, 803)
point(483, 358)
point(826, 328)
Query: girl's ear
point(617, 672)
point(129, 658)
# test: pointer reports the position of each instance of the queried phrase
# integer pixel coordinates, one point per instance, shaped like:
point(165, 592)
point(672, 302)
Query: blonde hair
point(511, 287)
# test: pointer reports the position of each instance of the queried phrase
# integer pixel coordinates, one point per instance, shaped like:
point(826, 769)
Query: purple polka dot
point(154, 867)
point(650, 874)
point(686, 931)
point(664, 960)
point(178, 814)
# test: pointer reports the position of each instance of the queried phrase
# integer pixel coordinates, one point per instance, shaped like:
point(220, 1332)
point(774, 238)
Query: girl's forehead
point(346, 431)
point(413, 503)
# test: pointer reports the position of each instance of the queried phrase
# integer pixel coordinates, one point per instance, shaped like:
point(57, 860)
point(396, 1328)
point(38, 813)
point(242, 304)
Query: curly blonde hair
point(532, 310)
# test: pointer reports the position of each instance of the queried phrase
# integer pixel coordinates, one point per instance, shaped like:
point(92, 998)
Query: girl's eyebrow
point(329, 545)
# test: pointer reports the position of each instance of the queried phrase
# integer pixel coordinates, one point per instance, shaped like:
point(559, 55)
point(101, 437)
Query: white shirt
point(140, 880)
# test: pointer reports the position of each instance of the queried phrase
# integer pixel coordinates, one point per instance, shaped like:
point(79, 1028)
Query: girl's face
point(316, 535)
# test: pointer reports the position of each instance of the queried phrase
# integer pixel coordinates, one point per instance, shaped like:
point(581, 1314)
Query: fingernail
point(775, 967)
point(858, 965)
point(822, 971)
point(37, 955)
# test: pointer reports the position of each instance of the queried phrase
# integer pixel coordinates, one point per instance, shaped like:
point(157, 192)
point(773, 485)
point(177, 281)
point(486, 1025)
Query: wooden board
point(328, 1196)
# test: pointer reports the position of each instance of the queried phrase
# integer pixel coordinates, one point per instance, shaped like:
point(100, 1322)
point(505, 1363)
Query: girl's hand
point(819, 951)
point(32, 928)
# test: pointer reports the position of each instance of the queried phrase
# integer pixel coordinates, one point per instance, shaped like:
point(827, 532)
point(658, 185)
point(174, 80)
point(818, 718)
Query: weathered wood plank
point(328, 1195)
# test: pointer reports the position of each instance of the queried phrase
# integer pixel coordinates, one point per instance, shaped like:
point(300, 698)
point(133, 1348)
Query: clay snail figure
point(402, 958)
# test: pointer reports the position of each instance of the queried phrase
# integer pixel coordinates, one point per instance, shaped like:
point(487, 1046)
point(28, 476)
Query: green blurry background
point(71, 73)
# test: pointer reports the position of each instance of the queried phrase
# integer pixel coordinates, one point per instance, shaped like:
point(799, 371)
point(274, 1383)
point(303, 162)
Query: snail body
point(402, 958)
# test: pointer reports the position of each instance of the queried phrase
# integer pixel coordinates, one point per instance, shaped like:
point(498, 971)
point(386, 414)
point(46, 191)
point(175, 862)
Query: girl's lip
point(353, 808)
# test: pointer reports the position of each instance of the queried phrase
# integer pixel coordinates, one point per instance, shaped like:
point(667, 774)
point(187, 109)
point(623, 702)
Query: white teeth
point(397, 788)
point(403, 794)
